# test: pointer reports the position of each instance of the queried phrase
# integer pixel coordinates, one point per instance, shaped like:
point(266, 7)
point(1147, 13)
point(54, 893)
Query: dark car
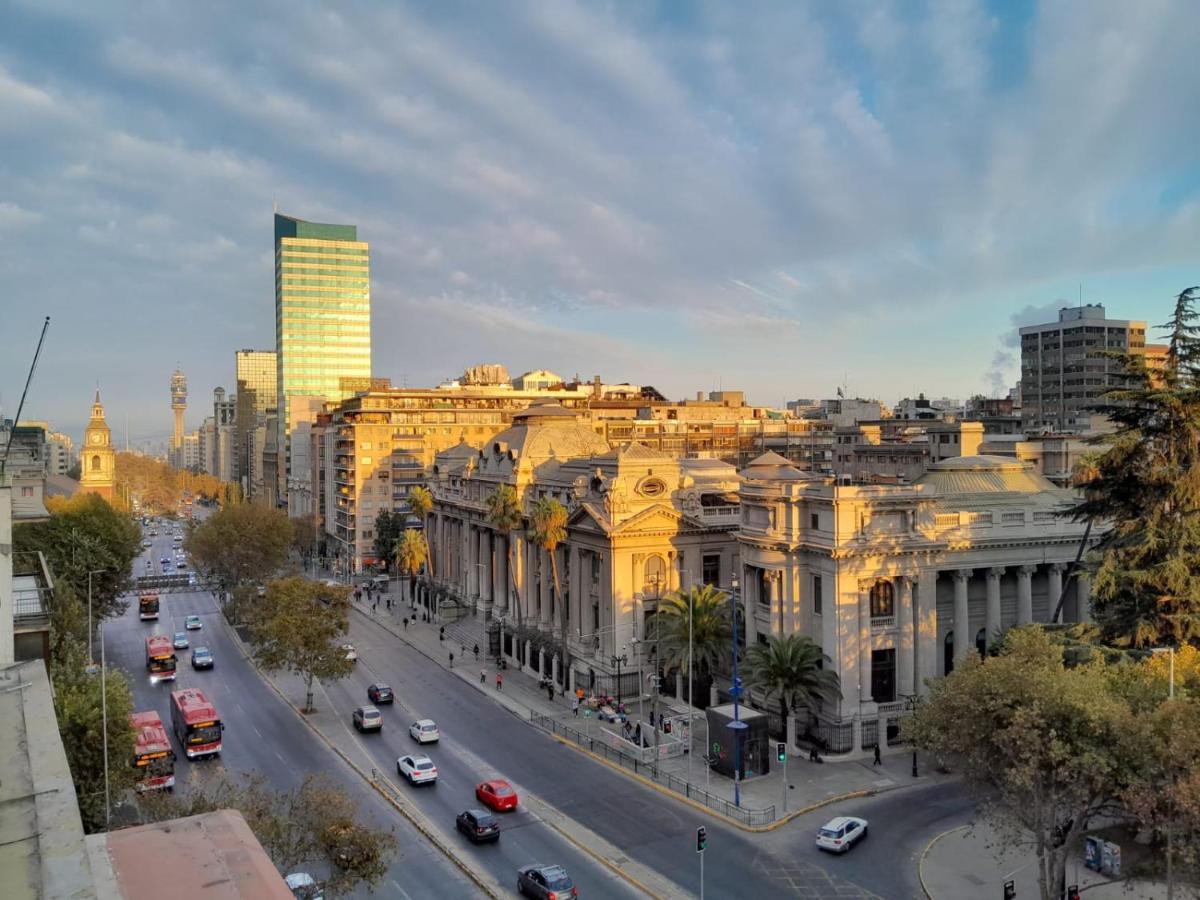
point(380, 693)
point(368, 718)
point(544, 882)
point(202, 658)
point(478, 825)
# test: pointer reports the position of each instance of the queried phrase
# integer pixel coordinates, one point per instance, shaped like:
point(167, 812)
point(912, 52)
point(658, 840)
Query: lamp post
point(911, 702)
point(657, 581)
point(618, 661)
point(104, 719)
point(737, 726)
point(91, 627)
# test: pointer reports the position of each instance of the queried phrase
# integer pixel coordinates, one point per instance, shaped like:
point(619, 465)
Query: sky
point(781, 198)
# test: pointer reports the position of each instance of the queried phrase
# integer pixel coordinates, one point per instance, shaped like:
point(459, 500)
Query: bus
point(152, 754)
point(195, 722)
point(160, 658)
point(148, 607)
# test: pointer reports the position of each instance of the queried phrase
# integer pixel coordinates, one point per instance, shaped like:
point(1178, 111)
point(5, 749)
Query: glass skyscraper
point(256, 391)
point(322, 318)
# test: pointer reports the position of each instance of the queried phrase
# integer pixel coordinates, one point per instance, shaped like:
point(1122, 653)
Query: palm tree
point(548, 529)
point(707, 608)
point(504, 516)
point(420, 502)
point(412, 552)
point(790, 668)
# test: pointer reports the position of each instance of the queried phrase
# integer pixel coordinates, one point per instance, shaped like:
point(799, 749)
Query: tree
point(789, 667)
point(420, 502)
point(304, 536)
point(388, 528)
point(1146, 486)
point(85, 534)
point(504, 516)
point(1047, 743)
point(411, 552)
point(298, 627)
point(711, 628)
point(548, 529)
point(246, 542)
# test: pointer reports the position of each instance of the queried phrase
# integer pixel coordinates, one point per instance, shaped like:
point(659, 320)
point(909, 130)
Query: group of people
point(373, 594)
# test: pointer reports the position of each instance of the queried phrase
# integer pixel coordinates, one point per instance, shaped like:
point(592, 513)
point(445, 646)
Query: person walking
point(482, 676)
point(442, 633)
point(375, 605)
point(452, 659)
point(405, 623)
point(477, 653)
point(550, 692)
point(389, 603)
point(358, 594)
point(499, 682)
point(878, 758)
point(575, 706)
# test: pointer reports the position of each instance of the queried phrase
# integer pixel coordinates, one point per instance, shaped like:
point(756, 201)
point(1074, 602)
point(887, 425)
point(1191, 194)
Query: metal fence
point(753, 817)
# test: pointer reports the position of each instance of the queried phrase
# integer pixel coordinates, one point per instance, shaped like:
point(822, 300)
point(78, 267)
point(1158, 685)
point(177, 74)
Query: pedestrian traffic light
point(1010, 890)
point(781, 751)
point(701, 839)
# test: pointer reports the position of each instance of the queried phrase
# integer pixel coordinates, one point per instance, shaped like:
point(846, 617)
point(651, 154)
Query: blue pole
point(737, 725)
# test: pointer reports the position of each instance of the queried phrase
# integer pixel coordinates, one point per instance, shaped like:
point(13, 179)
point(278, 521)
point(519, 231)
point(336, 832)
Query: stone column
point(787, 593)
point(927, 645)
point(1054, 576)
point(992, 625)
point(1083, 595)
point(502, 579)
point(485, 574)
point(963, 639)
point(864, 641)
point(544, 592)
point(905, 657)
point(575, 588)
point(1025, 594)
point(607, 619)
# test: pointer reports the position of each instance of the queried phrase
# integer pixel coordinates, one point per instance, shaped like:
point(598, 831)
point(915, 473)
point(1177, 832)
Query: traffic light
point(1010, 890)
point(1072, 892)
point(781, 751)
point(701, 839)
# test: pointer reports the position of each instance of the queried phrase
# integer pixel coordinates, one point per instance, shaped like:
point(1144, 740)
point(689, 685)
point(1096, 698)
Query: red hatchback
point(498, 795)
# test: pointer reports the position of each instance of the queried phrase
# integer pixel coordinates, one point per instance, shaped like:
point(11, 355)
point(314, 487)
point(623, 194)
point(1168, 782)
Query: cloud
point(13, 216)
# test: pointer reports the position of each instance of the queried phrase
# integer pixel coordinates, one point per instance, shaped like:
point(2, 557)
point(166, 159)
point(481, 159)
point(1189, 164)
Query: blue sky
point(777, 197)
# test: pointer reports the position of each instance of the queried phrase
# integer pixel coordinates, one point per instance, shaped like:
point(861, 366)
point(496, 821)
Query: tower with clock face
point(96, 457)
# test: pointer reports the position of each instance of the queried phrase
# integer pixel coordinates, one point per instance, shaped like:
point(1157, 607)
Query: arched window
point(981, 642)
point(655, 572)
point(948, 653)
point(883, 599)
point(95, 463)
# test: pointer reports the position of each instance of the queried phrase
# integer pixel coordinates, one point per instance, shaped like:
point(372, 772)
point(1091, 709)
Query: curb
point(491, 890)
point(925, 853)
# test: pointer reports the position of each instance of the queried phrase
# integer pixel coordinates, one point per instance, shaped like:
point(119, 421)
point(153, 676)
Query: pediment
point(658, 518)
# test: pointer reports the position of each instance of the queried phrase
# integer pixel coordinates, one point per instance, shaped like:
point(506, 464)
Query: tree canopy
point(548, 529)
point(504, 516)
point(388, 529)
point(411, 553)
point(789, 668)
point(711, 628)
point(158, 486)
point(246, 542)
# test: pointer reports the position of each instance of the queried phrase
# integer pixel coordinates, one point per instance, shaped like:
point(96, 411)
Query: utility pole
point(104, 717)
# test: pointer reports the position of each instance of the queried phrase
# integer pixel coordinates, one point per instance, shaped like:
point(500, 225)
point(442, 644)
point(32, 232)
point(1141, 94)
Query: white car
point(424, 731)
point(351, 653)
point(417, 769)
point(840, 834)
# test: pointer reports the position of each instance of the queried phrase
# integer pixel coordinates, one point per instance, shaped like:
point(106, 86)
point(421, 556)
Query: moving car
point(417, 769)
point(351, 653)
point(478, 825)
point(496, 794)
point(840, 834)
point(166, 560)
point(193, 623)
point(424, 731)
point(368, 718)
point(545, 882)
point(380, 693)
point(202, 658)
point(181, 640)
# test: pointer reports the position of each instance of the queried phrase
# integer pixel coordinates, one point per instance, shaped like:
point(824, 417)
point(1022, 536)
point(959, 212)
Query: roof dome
point(544, 412)
point(773, 467)
point(985, 475)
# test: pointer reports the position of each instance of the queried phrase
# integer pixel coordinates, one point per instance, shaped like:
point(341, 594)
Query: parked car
point(417, 769)
point(181, 640)
point(496, 794)
point(840, 834)
point(351, 653)
point(380, 693)
point(193, 623)
point(424, 731)
point(202, 658)
point(368, 718)
point(545, 882)
point(478, 825)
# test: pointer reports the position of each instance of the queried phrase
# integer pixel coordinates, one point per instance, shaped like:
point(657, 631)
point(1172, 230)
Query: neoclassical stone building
point(641, 524)
point(898, 583)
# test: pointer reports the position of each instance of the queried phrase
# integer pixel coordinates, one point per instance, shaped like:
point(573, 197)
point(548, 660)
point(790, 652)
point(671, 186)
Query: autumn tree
point(243, 543)
point(298, 627)
point(304, 536)
point(411, 553)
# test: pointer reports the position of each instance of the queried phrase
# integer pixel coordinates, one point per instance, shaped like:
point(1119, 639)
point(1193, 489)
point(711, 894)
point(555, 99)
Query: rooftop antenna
point(21, 405)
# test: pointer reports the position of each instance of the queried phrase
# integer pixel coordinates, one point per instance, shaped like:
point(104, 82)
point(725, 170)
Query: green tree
point(411, 552)
point(85, 534)
point(304, 536)
point(388, 527)
point(240, 544)
point(298, 627)
point(1146, 486)
point(711, 629)
point(420, 503)
point(789, 668)
point(504, 516)
point(548, 529)
point(1045, 742)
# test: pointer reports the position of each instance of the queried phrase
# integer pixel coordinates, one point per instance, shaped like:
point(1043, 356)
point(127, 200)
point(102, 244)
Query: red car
point(498, 795)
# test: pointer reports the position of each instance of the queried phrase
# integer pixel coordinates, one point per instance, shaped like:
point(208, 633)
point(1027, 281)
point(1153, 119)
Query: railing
point(752, 817)
point(882, 623)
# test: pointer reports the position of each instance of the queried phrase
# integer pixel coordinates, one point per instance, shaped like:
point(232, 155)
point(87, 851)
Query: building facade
point(97, 472)
point(179, 395)
point(257, 384)
point(322, 318)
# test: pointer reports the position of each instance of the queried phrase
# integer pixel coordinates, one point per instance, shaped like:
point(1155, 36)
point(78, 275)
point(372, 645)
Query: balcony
point(880, 624)
point(33, 594)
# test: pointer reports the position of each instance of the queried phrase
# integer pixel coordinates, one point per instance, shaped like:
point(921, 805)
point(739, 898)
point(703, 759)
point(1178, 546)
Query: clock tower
point(96, 457)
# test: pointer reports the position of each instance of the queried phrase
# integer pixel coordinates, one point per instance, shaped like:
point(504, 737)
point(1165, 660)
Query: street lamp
point(737, 726)
point(91, 627)
point(619, 661)
point(657, 581)
point(1170, 651)
point(911, 702)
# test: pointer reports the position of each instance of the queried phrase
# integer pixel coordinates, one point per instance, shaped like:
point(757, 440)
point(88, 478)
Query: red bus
point(148, 607)
point(152, 753)
point(160, 658)
point(195, 722)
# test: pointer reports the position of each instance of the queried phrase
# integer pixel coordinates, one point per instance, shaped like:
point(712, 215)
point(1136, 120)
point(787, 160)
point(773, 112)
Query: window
point(817, 599)
point(95, 463)
point(814, 521)
point(883, 599)
point(883, 675)
point(26, 490)
point(655, 573)
point(711, 568)
point(948, 654)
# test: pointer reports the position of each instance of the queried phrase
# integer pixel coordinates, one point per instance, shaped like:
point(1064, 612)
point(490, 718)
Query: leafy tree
point(789, 668)
point(411, 552)
point(504, 516)
point(244, 543)
point(1146, 487)
point(304, 536)
point(1046, 742)
point(420, 502)
point(711, 629)
point(388, 528)
point(298, 627)
point(85, 534)
point(548, 529)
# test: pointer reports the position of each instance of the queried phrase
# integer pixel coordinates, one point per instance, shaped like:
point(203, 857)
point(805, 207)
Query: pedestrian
point(482, 676)
point(637, 734)
point(651, 718)
point(476, 652)
point(358, 594)
point(499, 682)
point(878, 759)
point(550, 692)
point(442, 633)
point(389, 603)
point(375, 605)
point(405, 623)
point(579, 694)
point(452, 659)
point(575, 706)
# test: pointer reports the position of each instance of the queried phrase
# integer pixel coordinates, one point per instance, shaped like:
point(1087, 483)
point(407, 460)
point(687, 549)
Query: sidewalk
point(809, 784)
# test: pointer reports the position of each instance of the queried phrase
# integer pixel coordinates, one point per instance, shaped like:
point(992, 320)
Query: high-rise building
point(97, 463)
point(322, 318)
point(256, 390)
point(1064, 370)
point(178, 406)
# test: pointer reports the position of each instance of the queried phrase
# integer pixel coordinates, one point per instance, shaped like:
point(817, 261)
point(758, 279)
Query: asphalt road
point(262, 733)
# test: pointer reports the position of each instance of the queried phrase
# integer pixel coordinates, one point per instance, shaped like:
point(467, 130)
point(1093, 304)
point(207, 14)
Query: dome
point(773, 467)
point(985, 475)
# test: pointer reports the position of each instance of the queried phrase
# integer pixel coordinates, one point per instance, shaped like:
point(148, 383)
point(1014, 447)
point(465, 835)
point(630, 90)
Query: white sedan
point(417, 769)
point(424, 731)
point(842, 833)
